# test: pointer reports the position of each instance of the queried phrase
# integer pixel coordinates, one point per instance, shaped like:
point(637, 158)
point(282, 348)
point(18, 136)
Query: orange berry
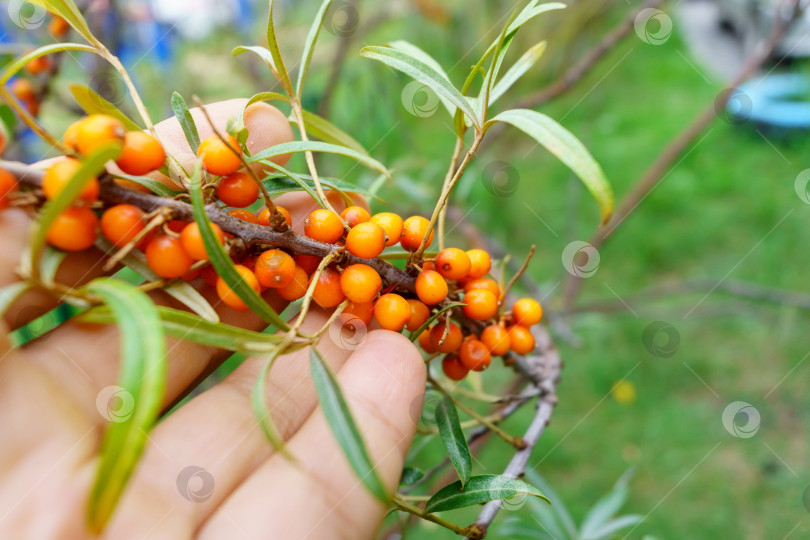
point(141, 154)
point(419, 314)
point(264, 216)
point(230, 298)
point(73, 230)
point(38, 65)
point(365, 240)
point(193, 243)
point(217, 157)
point(527, 311)
point(297, 287)
point(391, 224)
point(453, 368)
point(166, 256)
point(98, 130)
point(71, 134)
point(474, 355)
point(360, 283)
point(413, 231)
point(354, 311)
point(192, 274)
point(426, 343)
point(521, 339)
point(392, 312)
point(274, 268)
point(23, 89)
point(238, 190)
point(59, 174)
point(328, 293)
point(431, 288)
point(176, 225)
point(453, 263)
point(244, 215)
point(122, 223)
point(428, 265)
point(8, 184)
point(480, 304)
point(451, 343)
point(308, 262)
point(353, 215)
point(483, 283)
point(324, 226)
point(496, 338)
point(480, 263)
point(58, 26)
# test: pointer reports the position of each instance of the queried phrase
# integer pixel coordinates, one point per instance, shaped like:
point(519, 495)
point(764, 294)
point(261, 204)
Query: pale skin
point(51, 426)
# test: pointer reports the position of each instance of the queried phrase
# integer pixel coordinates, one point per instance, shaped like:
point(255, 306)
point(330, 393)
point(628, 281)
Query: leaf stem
point(404, 505)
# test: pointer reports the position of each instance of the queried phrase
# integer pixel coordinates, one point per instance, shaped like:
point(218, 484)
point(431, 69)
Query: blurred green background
point(725, 213)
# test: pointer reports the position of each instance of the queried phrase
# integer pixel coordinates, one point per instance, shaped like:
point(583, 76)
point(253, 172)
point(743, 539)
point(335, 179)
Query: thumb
point(383, 383)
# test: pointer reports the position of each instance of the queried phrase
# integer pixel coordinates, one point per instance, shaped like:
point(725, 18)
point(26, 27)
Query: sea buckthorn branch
point(251, 234)
point(29, 120)
point(447, 178)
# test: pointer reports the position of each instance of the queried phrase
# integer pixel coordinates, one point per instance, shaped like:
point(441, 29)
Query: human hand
point(208, 471)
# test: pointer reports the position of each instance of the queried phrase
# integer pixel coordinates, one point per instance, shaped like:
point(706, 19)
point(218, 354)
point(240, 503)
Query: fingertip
point(267, 126)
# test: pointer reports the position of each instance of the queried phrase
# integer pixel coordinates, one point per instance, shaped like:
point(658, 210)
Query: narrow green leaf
point(51, 259)
point(261, 52)
point(342, 424)
point(258, 402)
point(222, 262)
point(186, 121)
point(153, 185)
point(414, 51)
point(68, 10)
point(480, 489)
point(432, 319)
point(317, 146)
point(453, 438)
point(423, 73)
point(92, 165)
point(309, 46)
point(272, 44)
point(410, 475)
point(276, 184)
point(142, 379)
point(18, 64)
point(236, 126)
point(189, 327)
point(323, 129)
point(516, 71)
point(92, 103)
point(567, 148)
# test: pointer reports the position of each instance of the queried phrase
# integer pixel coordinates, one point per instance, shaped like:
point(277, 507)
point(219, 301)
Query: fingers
point(218, 431)
point(322, 496)
point(267, 126)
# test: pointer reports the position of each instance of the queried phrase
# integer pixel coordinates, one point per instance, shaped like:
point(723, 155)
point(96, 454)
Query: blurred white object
point(752, 20)
point(195, 19)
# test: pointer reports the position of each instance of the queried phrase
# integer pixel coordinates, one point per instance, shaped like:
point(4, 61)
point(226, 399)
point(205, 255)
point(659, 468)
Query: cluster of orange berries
point(176, 250)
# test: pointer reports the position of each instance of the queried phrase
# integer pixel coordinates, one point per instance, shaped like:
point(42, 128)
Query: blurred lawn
point(727, 210)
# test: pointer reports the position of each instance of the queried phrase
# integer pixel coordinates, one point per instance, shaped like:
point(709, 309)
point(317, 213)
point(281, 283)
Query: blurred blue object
point(781, 101)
